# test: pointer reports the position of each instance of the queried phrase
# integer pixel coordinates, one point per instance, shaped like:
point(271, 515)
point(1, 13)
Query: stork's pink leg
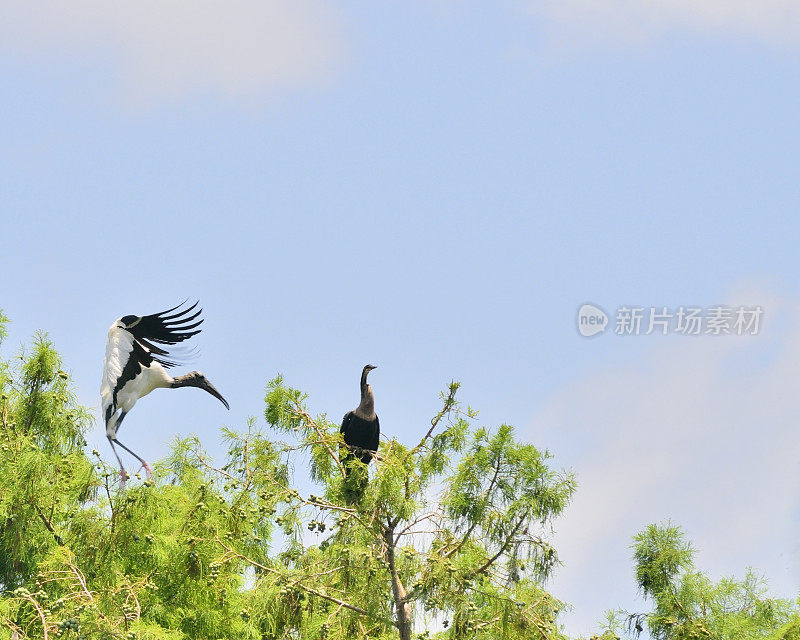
point(123, 475)
point(143, 462)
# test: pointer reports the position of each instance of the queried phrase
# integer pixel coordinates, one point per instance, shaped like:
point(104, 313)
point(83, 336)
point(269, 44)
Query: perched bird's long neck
point(366, 409)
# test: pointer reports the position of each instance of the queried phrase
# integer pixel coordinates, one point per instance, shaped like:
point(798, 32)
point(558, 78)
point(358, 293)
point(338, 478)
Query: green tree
point(44, 476)
point(78, 559)
point(449, 533)
point(687, 605)
point(447, 541)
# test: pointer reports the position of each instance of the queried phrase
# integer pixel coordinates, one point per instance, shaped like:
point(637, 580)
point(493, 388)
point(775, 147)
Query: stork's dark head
point(129, 321)
point(197, 379)
point(369, 367)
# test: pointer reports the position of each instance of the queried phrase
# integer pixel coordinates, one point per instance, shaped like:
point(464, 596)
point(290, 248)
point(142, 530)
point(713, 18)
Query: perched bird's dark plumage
point(361, 429)
point(135, 365)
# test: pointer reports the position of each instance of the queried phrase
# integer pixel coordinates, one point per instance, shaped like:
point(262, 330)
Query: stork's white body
point(118, 350)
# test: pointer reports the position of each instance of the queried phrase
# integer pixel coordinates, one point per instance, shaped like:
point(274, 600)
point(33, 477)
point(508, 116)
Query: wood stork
point(135, 365)
point(361, 431)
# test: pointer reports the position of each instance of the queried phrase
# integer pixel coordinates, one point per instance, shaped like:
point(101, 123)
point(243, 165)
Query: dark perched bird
point(135, 365)
point(361, 430)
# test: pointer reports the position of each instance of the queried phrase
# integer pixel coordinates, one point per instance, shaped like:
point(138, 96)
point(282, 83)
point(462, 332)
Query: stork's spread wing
point(129, 350)
point(163, 328)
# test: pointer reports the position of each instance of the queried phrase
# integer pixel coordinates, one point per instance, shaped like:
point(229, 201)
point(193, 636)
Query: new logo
point(591, 320)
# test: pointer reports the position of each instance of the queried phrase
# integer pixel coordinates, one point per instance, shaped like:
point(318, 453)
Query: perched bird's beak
point(205, 384)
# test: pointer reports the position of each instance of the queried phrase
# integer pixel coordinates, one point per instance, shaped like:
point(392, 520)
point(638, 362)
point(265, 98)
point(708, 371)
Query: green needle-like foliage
point(45, 479)
point(448, 540)
point(450, 535)
point(80, 559)
point(687, 605)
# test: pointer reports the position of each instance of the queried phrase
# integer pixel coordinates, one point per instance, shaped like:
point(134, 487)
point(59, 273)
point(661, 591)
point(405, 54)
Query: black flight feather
point(165, 329)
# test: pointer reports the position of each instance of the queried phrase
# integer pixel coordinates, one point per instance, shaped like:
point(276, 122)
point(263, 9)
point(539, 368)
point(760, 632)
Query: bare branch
point(449, 403)
point(402, 607)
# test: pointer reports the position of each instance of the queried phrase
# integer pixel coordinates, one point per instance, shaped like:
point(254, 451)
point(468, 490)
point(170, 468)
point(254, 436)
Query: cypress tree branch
point(402, 608)
point(310, 422)
point(304, 587)
point(48, 525)
point(503, 547)
point(469, 531)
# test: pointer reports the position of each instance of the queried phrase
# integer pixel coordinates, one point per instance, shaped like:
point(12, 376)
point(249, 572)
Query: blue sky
point(435, 188)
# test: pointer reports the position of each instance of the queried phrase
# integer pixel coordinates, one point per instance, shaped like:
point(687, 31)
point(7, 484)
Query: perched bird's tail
point(356, 475)
point(356, 480)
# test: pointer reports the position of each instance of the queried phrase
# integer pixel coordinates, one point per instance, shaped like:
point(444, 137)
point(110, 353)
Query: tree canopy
point(449, 540)
point(688, 605)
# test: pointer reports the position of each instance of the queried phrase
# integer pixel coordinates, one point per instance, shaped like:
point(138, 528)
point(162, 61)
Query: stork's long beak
point(205, 384)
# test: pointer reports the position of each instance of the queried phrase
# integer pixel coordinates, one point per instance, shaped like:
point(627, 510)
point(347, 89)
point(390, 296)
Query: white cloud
point(705, 433)
point(166, 49)
point(568, 23)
